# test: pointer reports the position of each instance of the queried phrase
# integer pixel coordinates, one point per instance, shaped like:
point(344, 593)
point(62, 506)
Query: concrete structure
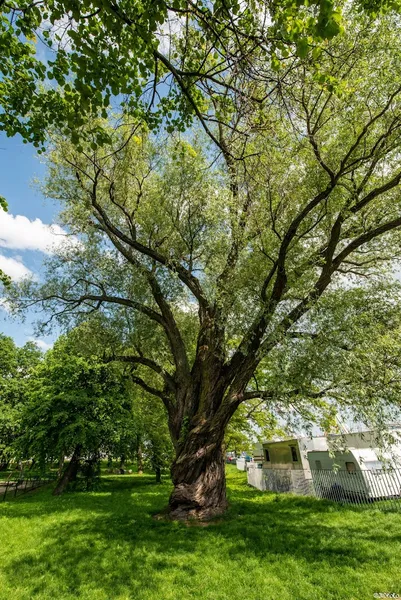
point(283, 466)
point(291, 453)
point(241, 464)
point(243, 461)
point(257, 452)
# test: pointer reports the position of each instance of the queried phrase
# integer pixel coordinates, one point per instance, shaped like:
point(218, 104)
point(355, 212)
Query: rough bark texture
point(69, 474)
point(198, 475)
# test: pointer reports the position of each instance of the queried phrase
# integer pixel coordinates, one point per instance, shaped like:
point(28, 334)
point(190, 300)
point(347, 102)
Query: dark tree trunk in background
point(60, 464)
point(158, 474)
point(122, 461)
point(4, 465)
point(70, 473)
point(198, 475)
point(139, 457)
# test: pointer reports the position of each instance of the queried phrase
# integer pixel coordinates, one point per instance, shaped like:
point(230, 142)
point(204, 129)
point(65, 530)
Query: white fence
point(360, 487)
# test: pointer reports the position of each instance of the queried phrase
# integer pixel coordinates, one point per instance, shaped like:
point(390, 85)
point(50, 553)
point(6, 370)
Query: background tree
point(16, 366)
point(78, 407)
point(156, 447)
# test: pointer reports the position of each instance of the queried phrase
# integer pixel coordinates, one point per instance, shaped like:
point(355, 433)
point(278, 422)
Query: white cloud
point(41, 343)
point(14, 268)
point(172, 26)
point(18, 232)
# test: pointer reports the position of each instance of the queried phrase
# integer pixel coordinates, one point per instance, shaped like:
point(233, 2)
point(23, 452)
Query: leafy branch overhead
point(161, 62)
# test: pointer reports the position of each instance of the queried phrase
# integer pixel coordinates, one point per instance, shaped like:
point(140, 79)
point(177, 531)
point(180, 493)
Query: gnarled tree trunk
point(198, 475)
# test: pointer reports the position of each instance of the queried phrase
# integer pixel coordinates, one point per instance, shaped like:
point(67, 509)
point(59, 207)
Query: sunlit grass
point(105, 545)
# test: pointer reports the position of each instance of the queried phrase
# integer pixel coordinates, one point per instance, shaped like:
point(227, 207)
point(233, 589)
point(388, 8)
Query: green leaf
point(302, 47)
point(3, 203)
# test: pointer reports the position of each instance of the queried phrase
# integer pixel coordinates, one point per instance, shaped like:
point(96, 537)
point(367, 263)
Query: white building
point(284, 466)
point(359, 466)
point(353, 463)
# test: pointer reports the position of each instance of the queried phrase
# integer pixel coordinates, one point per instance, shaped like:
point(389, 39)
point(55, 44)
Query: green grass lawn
point(106, 546)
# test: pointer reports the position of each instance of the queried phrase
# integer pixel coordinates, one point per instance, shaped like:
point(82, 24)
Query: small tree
point(16, 366)
point(78, 407)
point(156, 449)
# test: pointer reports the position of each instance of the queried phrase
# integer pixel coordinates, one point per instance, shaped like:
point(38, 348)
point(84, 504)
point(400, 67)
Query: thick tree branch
point(269, 394)
point(185, 276)
point(120, 241)
point(171, 328)
point(389, 185)
point(151, 364)
point(364, 239)
point(148, 388)
point(149, 312)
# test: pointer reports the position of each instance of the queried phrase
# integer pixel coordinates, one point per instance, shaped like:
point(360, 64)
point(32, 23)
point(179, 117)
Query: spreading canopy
point(216, 260)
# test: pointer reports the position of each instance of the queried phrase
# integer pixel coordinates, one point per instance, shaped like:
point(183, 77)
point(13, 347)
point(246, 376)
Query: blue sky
point(23, 240)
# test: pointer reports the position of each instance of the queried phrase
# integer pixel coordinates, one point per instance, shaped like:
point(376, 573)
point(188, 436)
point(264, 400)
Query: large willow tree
point(216, 251)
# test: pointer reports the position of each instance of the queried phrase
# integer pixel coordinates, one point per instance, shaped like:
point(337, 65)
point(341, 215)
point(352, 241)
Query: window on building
point(350, 466)
point(267, 455)
point(294, 454)
point(318, 465)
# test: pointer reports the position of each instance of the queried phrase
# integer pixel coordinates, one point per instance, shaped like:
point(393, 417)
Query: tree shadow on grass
point(41, 502)
point(107, 543)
